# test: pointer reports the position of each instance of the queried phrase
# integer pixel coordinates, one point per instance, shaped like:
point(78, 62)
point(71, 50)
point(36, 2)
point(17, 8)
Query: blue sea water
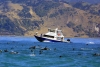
point(15, 51)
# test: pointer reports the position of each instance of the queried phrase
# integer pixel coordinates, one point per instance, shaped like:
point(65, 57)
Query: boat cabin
point(54, 34)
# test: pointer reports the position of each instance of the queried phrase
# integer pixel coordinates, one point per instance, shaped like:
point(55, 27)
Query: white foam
point(32, 54)
point(90, 43)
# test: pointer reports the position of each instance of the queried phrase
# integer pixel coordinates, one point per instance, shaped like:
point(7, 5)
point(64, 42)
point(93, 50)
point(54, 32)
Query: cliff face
point(26, 17)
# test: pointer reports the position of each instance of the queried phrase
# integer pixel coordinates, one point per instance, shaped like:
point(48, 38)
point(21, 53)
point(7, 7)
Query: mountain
point(25, 17)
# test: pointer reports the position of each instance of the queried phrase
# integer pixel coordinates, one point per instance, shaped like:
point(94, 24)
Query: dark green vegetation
point(91, 8)
point(8, 27)
point(89, 1)
point(25, 13)
point(42, 7)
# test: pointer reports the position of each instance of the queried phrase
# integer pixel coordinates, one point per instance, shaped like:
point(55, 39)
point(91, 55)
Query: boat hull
point(41, 39)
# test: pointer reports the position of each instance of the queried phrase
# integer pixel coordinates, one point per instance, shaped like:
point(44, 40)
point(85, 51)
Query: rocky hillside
point(25, 17)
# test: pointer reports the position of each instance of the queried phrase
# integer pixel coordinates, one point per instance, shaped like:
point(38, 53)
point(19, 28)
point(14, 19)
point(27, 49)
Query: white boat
point(53, 35)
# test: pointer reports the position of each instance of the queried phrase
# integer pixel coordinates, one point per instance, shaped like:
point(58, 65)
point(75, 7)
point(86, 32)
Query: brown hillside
point(28, 17)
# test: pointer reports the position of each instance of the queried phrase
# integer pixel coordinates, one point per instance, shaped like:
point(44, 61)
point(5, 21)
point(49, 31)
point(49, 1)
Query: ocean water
point(18, 51)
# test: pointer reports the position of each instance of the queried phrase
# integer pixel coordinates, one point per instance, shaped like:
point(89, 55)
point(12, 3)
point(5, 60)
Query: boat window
point(60, 38)
point(48, 36)
point(52, 30)
point(59, 32)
